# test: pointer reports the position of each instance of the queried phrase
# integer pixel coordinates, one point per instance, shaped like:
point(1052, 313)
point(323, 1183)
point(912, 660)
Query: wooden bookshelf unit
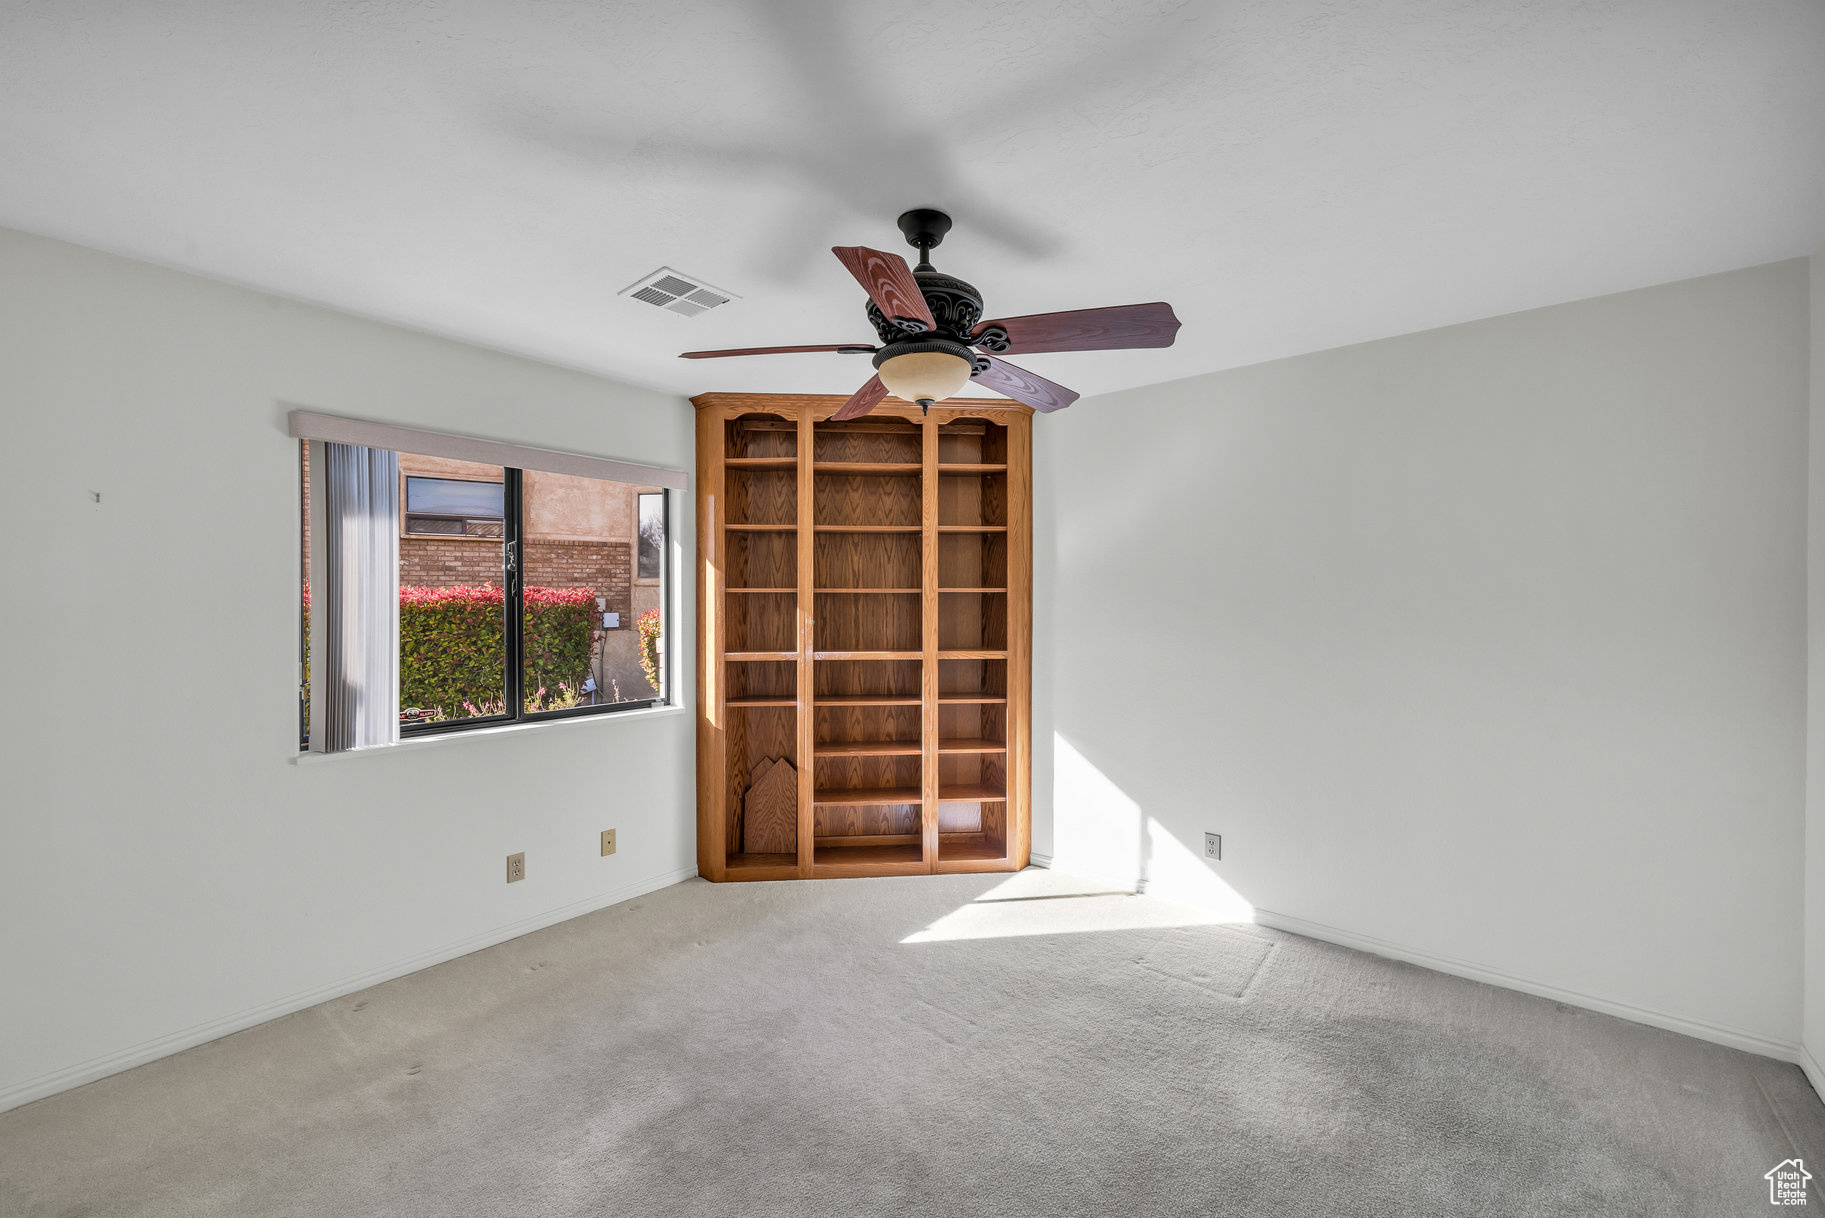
point(864, 596)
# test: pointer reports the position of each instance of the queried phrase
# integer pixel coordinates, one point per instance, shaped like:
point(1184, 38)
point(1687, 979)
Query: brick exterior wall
point(605, 566)
point(443, 562)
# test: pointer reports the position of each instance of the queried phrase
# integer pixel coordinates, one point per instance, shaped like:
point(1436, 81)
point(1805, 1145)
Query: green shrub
point(451, 645)
point(558, 630)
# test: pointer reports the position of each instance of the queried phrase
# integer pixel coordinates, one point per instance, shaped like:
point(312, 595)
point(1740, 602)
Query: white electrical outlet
point(1213, 846)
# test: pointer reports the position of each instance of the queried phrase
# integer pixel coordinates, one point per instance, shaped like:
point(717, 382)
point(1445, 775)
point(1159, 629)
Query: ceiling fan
point(929, 321)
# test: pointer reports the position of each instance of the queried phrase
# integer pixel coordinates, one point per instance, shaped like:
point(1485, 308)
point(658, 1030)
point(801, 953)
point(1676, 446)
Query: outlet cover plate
point(516, 867)
point(608, 842)
point(1213, 846)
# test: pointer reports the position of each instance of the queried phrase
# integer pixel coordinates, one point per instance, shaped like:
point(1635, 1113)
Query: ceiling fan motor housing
point(955, 305)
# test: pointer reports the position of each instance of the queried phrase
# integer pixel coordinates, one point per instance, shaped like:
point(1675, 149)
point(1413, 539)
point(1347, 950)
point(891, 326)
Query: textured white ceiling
point(1291, 175)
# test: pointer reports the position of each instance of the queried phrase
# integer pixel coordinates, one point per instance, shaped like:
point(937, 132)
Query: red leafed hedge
point(451, 643)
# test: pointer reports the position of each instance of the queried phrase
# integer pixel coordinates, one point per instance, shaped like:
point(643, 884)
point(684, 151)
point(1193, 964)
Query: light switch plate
point(516, 867)
point(608, 842)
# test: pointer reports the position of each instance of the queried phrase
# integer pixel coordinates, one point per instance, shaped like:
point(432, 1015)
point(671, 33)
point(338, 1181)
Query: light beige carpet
point(935, 1046)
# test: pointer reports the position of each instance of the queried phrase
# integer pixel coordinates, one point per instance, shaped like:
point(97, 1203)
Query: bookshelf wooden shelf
point(972, 792)
point(870, 700)
point(761, 462)
point(763, 866)
point(968, 847)
point(880, 644)
point(846, 797)
point(870, 748)
point(899, 468)
point(854, 840)
point(848, 862)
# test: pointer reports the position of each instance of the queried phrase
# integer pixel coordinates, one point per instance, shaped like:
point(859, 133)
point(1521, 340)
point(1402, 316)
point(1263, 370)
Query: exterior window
point(455, 506)
point(522, 595)
point(652, 536)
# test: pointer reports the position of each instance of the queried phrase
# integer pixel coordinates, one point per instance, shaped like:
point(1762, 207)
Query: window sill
point(506, 729)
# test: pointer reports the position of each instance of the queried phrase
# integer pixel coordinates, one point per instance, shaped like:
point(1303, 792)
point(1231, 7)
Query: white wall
point(1045, 630)
point(1485, 645)
point(171, 873)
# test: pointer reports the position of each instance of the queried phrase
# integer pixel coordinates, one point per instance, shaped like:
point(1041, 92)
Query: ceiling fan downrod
point(924, 228)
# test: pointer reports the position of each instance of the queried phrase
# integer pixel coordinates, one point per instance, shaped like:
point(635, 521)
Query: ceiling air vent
point(667, 289)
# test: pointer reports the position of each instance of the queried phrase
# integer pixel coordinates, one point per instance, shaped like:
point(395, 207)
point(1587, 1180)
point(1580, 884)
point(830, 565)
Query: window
point(521, 594)
point(454, 506)
point(652, 535)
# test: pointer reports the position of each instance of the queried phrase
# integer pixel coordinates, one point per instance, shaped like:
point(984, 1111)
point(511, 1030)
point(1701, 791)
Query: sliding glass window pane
point(652, 535)
point(582, 641)
point(452, 592)
point(649, 591)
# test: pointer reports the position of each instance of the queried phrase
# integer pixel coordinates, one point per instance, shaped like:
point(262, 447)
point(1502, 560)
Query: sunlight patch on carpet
point(1050, 903)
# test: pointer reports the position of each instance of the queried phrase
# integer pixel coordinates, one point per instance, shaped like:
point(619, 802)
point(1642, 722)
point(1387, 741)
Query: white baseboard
point(1749, 1042)
point(1037, 859)
point(202, 1033)
point(1814, 1075)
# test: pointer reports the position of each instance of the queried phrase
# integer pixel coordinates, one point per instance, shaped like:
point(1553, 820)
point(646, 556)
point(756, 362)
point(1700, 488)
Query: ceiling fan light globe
point(925, 376)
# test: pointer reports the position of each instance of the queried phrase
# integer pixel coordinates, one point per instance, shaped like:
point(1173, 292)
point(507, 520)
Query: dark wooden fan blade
point(866, 399)
point(1023, 386)
point(1118, 327)
point(890, 283)
point(845, 348)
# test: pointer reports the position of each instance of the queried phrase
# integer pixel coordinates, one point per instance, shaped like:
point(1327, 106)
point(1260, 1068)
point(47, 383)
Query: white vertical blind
point(356, 670)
